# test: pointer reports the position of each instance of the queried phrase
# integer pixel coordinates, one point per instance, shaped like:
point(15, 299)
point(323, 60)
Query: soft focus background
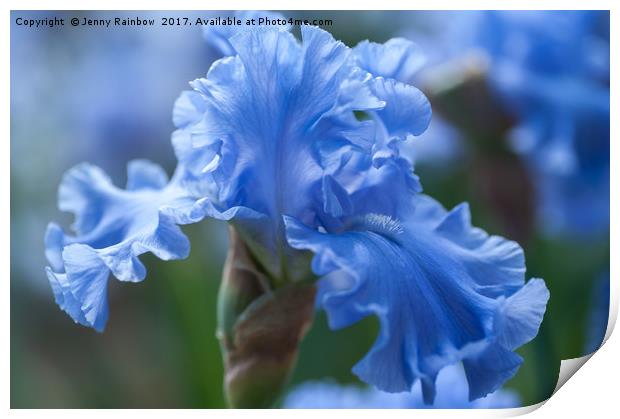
point(105, 95)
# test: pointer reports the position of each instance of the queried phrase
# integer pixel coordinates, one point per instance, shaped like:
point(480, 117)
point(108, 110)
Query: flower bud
point(259, 329)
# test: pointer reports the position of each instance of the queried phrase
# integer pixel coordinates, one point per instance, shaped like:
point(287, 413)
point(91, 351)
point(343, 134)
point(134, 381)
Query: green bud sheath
point(259, 329)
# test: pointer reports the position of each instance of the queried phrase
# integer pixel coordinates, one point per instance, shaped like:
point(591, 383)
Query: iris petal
point(443, 291)
point(114, 227)
point(407, 111)
point(218, 36)
point(397, 59)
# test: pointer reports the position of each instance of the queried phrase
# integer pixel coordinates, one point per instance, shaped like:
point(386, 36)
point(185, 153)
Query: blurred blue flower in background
point(297, 144)
point(451, 394)
point(550, 71)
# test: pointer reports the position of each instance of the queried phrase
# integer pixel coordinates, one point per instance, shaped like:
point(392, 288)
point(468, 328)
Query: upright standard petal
point(113, 227)
point(266, 127)
point(273, 130)
point(398, 59)
point(407, 111)
point(443, 291)
point(218, 36)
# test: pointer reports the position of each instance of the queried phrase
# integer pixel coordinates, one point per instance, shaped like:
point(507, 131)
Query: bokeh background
point(105, 96)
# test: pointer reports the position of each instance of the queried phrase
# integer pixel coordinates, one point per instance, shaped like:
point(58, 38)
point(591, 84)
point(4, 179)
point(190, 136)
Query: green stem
point(259, 329)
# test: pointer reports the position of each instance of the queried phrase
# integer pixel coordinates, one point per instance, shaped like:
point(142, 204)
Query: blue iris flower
point(259, 137)
point(451, 394)
point(297, 145)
